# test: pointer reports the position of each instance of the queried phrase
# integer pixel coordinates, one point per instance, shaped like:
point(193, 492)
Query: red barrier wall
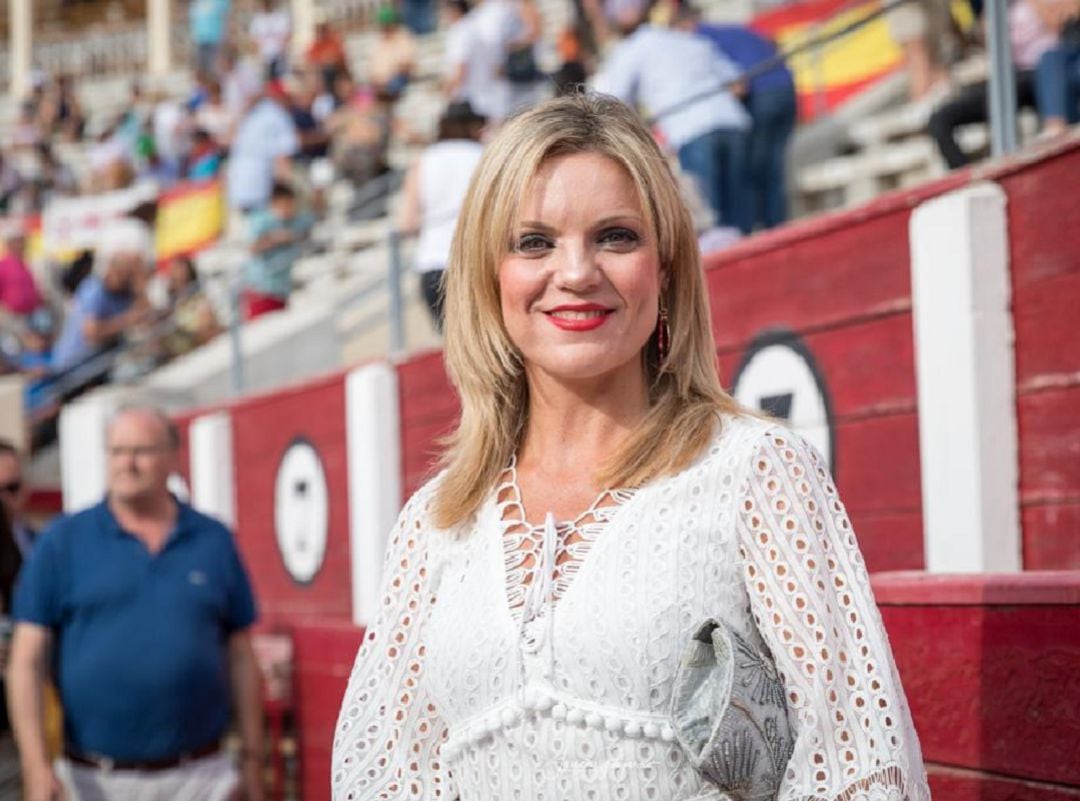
point(1044, 240)
point(991, 668)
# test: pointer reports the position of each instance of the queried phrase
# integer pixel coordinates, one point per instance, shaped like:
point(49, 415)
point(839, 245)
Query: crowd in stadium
point(279, 127)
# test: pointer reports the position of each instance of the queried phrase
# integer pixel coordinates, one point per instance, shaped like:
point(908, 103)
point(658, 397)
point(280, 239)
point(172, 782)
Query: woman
point(432, 194)
point(601, 497)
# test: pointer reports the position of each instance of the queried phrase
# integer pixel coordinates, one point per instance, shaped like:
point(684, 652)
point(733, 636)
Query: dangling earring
point(663, 333)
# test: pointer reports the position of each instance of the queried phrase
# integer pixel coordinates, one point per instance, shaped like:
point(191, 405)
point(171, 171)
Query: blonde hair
point(487, 369)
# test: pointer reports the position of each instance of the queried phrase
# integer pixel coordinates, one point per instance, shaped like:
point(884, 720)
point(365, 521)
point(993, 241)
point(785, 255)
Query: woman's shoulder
point(743, 436)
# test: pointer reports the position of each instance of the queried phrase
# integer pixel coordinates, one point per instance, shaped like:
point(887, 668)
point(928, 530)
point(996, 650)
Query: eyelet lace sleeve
point(389, 734)
point(811, 600)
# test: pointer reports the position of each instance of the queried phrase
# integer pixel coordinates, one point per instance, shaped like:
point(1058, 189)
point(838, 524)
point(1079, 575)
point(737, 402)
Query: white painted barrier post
point(373, 434)
point(213, 479)
point(964, 362)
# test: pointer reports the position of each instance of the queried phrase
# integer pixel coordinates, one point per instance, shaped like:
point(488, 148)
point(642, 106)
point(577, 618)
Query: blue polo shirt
point(140, 641)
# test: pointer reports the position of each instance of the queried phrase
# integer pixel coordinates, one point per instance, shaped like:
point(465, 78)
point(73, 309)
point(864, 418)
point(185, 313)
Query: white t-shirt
point(492, 26)
point(271, 31)
point(445, 171)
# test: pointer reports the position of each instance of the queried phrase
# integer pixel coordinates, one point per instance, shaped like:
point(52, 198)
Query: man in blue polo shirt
point(139, 609)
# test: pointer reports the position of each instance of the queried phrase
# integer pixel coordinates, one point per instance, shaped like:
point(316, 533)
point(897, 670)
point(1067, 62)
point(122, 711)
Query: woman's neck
point(573, 424)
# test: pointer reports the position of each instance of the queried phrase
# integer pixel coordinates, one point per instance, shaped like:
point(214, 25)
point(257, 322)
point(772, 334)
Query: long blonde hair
point(485, 366)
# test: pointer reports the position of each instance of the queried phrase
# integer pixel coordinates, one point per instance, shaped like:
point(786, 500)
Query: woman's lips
point(579, 318)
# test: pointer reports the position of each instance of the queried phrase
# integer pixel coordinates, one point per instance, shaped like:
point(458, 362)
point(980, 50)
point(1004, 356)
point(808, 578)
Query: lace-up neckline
point(524, 542)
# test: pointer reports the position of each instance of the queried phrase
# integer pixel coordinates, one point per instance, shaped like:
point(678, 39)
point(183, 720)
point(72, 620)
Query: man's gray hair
point(125, 235)
point(172, 433)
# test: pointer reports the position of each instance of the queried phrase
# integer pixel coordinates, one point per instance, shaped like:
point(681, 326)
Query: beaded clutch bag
point(730, 715)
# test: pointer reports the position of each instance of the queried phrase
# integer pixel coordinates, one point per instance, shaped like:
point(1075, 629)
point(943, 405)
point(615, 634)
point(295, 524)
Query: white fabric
point(445, 171)
point(455, 50)
point(271, 30)
point(461, 690)
point(659, 68)
point(490, 28)
point(213, 778)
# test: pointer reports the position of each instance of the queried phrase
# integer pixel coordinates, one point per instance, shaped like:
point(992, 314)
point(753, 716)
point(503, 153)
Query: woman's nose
point(576, 267)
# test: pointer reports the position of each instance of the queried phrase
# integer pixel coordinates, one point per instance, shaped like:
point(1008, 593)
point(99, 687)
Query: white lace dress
point(511, 662)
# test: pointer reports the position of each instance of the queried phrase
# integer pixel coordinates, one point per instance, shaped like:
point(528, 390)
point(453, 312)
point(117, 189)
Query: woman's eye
point(532, 243)
point(619, 237)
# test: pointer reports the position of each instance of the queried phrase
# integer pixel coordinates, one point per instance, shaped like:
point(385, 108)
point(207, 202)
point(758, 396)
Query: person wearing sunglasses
point(13, 494)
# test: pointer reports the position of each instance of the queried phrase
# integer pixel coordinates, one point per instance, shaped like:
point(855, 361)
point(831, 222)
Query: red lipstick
point(597, 315)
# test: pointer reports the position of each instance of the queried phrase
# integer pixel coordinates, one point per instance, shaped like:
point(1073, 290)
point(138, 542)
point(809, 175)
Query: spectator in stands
point(152, 606)
point(192, 316)
point(314, 140)
point(1030, 38)
point(393, 57)
point(770, 98)
point(55, 178)
point(277, 236)
point(454, 21)
point(571, 75)
point(14, 494)
point(11, 185)
point(26, 132)
point(19, 295)
point(241, 80)
point(432, 195)
point(262, 149)
point(113, 299)
point(521, 68)
point(205, 158)
point(171, 126)
point(60, 113)
point(208, 22)
point(214, 115)
point(1057, 77)
point(479, 75)
point(924, 31)
point(271, 30)
point(680, 78)
point(326, 54)
point(359, 131)
point(109, 161)
point(419, 16)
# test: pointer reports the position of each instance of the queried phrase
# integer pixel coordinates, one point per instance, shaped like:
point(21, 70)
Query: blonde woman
point(600, 498)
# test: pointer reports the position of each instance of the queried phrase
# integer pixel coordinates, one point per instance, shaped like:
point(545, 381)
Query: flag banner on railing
point(190, 217)
point(828, 75)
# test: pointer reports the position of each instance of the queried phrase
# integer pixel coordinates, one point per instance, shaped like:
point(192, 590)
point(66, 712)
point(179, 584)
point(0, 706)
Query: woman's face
point(580, 288)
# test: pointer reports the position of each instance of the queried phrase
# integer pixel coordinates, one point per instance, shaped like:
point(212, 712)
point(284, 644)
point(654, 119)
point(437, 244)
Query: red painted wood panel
point(1051, 536)
point(1043, 209)
point(950, 784)
point(877, 464)
point(993, 688)
point(263, 428)
point(869, 366)
point(324, 658)
point(825, 280)
point(890, 541)
point(1049, 426)
point(1045, 318)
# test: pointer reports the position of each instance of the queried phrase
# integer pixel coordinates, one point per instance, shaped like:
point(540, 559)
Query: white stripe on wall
point(213, 478)
point(373, 433)
point(966, 381)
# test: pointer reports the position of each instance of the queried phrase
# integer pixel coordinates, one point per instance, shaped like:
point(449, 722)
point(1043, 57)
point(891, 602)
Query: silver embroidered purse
point(730, 715)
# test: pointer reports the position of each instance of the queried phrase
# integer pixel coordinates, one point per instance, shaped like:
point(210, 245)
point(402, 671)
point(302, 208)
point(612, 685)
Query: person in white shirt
point(271, 30)
point(262, 148)
point(454, 19)
point(679, 80)
point(490, 28)
point(433, 192)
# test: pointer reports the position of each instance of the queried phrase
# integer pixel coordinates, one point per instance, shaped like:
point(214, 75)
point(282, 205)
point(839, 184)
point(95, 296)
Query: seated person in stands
point(1030, 38)
point(278, 234)
point(193, 320)
point(359, 132)
point(1057, 75)
point(19, 296)
point(112, 299)
point(326, 54)
point(204, 161)
point(394, 56)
